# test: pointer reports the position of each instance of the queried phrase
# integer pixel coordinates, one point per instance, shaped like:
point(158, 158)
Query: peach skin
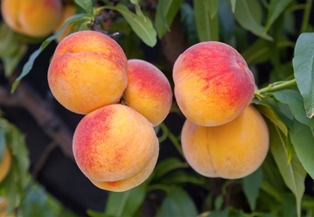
point(212, 83)
point(34, 18)
point(231, 151)
point(148, 91)
point(115, 147)
point(88, 70)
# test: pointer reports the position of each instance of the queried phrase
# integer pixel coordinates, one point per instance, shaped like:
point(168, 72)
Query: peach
point(88, 70)
point(68, 11)
point(35, 18)
point(212, 83)
point(231, 151)
point(115, 147)
point(148, 91)
point(5, 164)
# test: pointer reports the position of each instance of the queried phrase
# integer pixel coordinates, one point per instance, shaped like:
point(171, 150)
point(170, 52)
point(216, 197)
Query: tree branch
point(52, 125)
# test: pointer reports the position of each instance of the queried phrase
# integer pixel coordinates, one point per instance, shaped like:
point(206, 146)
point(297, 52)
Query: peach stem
point(274, 87)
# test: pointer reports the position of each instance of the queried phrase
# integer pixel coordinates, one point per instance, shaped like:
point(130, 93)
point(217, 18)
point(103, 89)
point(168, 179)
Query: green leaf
point(295, 102)
point(120, 204)
point(138, 10)
point(180, 177)
point(165, 13)
point(276, 7)
point(303, 65)
point(168, 165)
point(187, 16)
point(245, 16)
point(177, 203)
point(226, 21)
point(251, 186)
point(207, 28)
point(258, 52)
point(302, 139)
point(213, 8)
point(292, 172)
point(220, 213)
point(233, 5)
point(10, 62)
point(141, 25)
point(273, 116)
point(2, 142)
point(87, 5)
point(29, 64)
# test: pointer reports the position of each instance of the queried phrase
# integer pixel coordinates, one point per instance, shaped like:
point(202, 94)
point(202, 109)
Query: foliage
point(266, 33)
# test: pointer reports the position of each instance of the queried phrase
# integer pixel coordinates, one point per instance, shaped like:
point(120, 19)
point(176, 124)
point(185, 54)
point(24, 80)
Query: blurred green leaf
point(207, 28)
point(2, 142)
point(213, 8)
point(276, 7)
point(233, 5)
point(292, 172)
point(168, 165)
point(177, 203)
point(244, 14)
point(220, 213)
point(138, 10)
point(165, 13)
point(120, 204)
point(141, 25)
point(29, 64)
point(258, 52)
point(187, 16)
point(226, 21)
point(289, 205)
point(251, 186)
point(302, 139)
point(10, 62)
point(87, 5)
point(303, 65)
point(180, 177)
point(295, 102)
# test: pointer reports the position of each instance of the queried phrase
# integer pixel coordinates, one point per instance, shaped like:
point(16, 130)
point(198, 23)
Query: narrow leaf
point(251, 186)
point(187, 15)
point(226, 21)
point(10, 62)
point(302, 139)
point(177, 203)
point(258, 52)
point(303, 65)
point(213, 8)
point(276, 7)
point(292, 173)
point(138, 10)
point(295, 102)
point(165, 13)
point(207, 28)
point(245, 16)
point(233, 5)
point(87, 5)
point(141, 25)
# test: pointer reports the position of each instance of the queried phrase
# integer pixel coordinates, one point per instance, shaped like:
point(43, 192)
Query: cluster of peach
point(36, 18)
point(114, 144)
point(223, 135)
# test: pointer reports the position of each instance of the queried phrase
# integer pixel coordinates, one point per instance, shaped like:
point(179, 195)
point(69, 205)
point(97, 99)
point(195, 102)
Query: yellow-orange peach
point(213, 84)
point(115, 147)
point(5, 164)
point(88, 70)
point(68, 11)
point(148, 91)
point(231, 151)
point(35, 18)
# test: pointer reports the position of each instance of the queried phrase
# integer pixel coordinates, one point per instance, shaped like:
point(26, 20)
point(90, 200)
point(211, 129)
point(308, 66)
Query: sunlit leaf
point(303, 65)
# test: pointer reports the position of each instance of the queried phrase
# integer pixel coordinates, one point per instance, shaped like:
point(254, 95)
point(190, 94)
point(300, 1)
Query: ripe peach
point(35, 18)
point(148, 91)
point(5, 164)
point(88, 70)
point(68, 11)
point(231, 151)
point(213, 84)
point(115, 147)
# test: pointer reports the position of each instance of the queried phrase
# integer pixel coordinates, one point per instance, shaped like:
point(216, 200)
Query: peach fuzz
point(88, 70)
point(231, 151)
point(212, 83)
point(148, 91)
point(35, 18)
point(68, 11)
point(5, 164)
point(113, 144)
